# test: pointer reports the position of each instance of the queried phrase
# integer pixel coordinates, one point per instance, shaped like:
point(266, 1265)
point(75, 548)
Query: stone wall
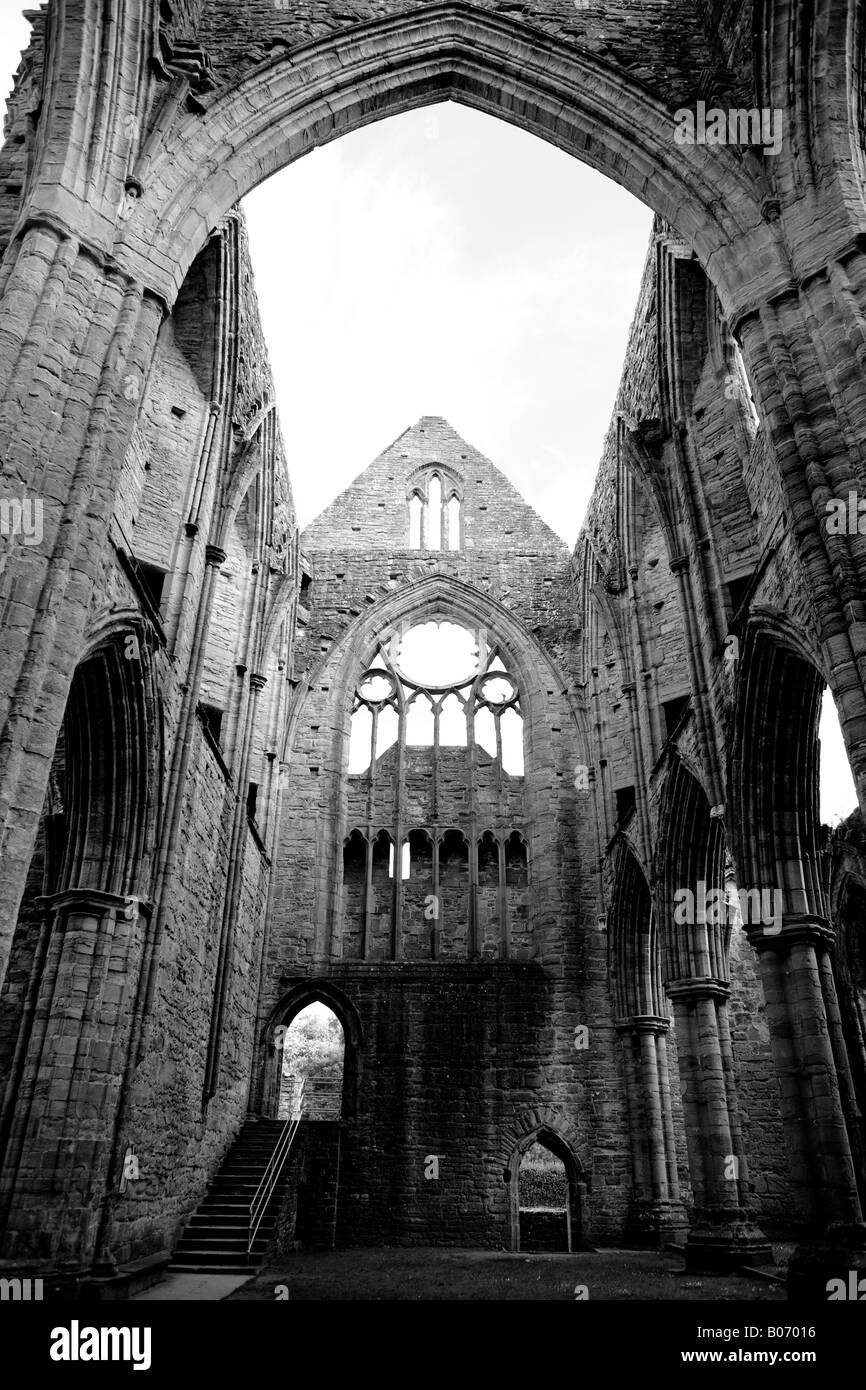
point(157, 1107)
point(456, 1053)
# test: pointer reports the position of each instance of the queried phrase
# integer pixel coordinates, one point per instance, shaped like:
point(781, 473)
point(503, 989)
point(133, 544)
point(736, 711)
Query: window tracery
point(433, 865)
point(435, 512)
point(437, 686)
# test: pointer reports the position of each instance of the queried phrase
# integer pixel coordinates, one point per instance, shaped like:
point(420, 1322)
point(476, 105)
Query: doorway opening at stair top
point(313, 1055)
point(545, 1217)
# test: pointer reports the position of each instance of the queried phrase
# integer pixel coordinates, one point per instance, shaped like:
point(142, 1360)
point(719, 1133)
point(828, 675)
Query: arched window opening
point(454, 893)
point(453, 512)
point(354, 890)
point(360, 740)
point(434, 513)
point(420, 908)
point(437, 668)
point(543, 1201)
point(488, 861)
point(381, 903)
point(417, 700)
point(489, 902)
point(516, 869)
point(387, 730)
point(517, 896)
point(838, 793)
point(511, 741)
point(452, 723)
point(419, 722)
point(433, 530)
point(313, 1053)
point(404, 860)
point(485, 731)
point(416, 507)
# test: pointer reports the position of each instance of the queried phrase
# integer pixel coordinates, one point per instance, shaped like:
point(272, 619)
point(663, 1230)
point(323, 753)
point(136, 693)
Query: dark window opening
point(673, 712)
point(737, 590)
point(153, 579)
point(625, 803)
point(516, 870)
point(213, 720)
point(252, 799)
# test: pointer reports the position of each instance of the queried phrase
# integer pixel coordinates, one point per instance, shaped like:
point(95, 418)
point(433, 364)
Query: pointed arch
point(195, 167)
point(634, 955)
point(317, 990)
point(547, 1127)
point(690, 857)
point(774, 767)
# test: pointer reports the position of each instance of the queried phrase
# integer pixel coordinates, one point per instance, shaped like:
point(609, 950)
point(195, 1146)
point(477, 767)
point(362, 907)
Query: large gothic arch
point(122, 167)
point(297, 100)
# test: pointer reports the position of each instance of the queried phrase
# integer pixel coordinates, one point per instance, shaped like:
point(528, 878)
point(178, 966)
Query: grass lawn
point(422, 1274)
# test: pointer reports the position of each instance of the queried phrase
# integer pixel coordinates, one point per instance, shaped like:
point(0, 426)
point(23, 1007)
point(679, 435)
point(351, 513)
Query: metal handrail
point(276, 1162)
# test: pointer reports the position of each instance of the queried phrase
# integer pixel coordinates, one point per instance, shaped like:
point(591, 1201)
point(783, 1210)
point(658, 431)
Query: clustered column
point(656, 1213)
point(722, 1234)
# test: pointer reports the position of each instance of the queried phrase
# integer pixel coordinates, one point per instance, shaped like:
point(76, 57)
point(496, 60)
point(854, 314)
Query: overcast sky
point(445, 263)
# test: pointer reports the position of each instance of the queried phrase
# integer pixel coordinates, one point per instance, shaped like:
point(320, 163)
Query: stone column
point(60, 1141)
point(656, 1213)
point(803, 1032)
point(723, 1234)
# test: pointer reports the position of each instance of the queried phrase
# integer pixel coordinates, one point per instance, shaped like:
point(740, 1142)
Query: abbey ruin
point(561, 878)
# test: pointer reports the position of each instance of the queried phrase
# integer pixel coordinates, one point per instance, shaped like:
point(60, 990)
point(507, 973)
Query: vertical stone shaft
point(822, 1169)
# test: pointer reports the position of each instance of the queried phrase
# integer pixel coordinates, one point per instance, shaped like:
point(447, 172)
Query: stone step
point(209, 1217)
point(216, 1234)
point(216, 1259)
point(229, 1235)
point(214, 1207)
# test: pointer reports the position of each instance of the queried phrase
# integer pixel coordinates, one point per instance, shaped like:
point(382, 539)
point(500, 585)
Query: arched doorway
point(313, 1036)
point(311, 1076)
point(546, 1194)
point(542, 1200)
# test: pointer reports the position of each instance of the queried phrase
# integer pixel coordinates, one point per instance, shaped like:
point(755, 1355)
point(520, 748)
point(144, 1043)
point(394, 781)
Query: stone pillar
point(806, 1038)
point(61, 1138)
point(656, 1213)
point(723, 1234)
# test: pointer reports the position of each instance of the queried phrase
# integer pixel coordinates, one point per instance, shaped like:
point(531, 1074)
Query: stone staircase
point(216, 1237)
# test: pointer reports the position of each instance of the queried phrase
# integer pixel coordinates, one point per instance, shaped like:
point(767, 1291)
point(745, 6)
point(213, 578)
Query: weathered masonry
point(540, 829)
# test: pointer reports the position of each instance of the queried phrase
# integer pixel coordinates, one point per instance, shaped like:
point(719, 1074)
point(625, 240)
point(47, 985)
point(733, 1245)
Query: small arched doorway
point(311, 1071)
point(314, 1032)
point(546, 1194)
point(542, 1200)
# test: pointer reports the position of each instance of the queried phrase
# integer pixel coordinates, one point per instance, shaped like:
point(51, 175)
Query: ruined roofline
point(457, 459)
